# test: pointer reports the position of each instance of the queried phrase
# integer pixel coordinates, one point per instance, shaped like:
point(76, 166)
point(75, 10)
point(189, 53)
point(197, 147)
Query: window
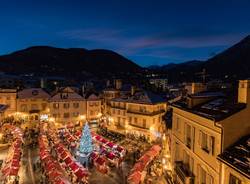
point(144, 121)
point(113, 111)
point(207, 142)
point(130, 119)
point(186, 159)
point(177, 151)
point(135, 120)
point(56, 105)
point(24, 108)
point(234, 180)
point(177, 127)
point(188, 135)
point(142, 109)
point(44, 105)
point(76, 105)
point(204, 141)
point(204, 177)
point(118, 112)
point(66, 105)
point(66, 115)
point(75, 114)
point(34, 107)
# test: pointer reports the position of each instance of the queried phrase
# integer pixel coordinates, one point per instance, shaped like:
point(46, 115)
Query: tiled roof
point(66, 95)
point(238, 156)
point(92, 97)
point(143, 97)
point(32, 93)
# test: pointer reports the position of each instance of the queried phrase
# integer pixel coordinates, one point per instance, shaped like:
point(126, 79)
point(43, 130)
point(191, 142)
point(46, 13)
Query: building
point(159, 83)
point(140, 114)
point(67, 106)
point(204, 125)
point(236, 162)
point(110, 93)
point(94, 107)
point(33, 102)
point(8, 97)
point(195, 87)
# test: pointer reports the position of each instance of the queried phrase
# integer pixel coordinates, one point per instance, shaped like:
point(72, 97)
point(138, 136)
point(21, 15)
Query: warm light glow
point(52, 119)
point(164, 137)
point(151, 129)
point(99, 114)
point(163, 161)
point(82, 117)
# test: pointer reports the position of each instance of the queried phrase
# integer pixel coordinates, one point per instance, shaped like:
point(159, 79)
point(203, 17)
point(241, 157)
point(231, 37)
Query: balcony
point(147, 113)
point(183, 175)
point(118, 107)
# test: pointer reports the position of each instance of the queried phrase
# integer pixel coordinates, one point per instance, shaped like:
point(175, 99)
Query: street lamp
point(82, 118)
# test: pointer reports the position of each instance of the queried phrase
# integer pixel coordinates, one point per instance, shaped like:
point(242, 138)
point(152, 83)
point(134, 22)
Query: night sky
point(149, 32)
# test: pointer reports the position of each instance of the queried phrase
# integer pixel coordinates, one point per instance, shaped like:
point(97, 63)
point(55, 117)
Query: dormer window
point(35, 92)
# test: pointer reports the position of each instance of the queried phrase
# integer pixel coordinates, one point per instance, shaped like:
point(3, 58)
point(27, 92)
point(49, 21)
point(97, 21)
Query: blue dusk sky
point(149, 32)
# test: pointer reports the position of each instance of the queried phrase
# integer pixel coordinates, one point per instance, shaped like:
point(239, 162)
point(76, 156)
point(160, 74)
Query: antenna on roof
point(203, 75)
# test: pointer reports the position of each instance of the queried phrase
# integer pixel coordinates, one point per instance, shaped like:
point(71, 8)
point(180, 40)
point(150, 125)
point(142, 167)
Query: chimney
point(198, 87)
point(132, 90)
point(118, 84)
point(42, 83)
point(244, 91)
point(83, 90)
point(107, 83)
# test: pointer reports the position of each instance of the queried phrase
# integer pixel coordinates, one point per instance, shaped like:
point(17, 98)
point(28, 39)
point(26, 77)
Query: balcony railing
point(183, 173)
point(145, 112)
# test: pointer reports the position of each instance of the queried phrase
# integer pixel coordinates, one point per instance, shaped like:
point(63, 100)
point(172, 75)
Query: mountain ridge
point(232, 63)
point(61, 61)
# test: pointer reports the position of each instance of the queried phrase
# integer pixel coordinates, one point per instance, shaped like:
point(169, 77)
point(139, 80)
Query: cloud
point(161, 44)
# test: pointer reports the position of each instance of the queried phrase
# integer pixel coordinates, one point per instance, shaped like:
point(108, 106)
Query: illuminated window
point(76, 105)
point(56, 105)
point(66, 115)
point(234, 180)
point(66, 105)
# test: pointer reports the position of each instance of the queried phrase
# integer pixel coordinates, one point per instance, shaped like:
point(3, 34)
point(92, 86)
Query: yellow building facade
point(94, 107)
point(67, 107)
point(33, 102)
point(139, 116)
point(203, 126)
point(8, 97)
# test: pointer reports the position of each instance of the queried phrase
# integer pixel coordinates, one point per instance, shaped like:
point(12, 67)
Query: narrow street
point(28, 173)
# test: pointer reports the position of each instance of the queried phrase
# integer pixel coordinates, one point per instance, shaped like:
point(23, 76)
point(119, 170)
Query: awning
point(68, 160)
point(74, 166)
point(81, 173)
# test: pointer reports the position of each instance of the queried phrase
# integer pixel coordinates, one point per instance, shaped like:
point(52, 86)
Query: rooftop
point(33, 93)
point(215, 106)
point(238, 156)
point(66, 94)
point(142, 97)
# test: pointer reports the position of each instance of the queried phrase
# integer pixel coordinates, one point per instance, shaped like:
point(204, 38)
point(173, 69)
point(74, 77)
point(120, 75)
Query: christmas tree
point(86, 146)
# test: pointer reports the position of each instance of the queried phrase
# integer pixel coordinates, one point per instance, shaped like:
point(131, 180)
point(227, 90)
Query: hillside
point(66, 62)
point(233, 63)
